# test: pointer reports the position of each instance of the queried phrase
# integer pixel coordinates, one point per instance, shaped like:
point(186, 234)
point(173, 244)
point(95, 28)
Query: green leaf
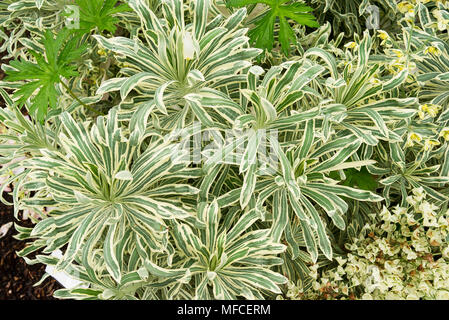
point(262, 35)
point(100, 14)
point(48, 70)
point(362, 179)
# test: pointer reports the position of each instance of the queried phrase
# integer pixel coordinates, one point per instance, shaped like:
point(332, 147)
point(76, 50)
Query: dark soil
point(16, 277)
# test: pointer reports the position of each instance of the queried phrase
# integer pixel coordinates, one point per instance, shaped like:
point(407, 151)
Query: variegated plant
point(204, 173)
point(167, 61)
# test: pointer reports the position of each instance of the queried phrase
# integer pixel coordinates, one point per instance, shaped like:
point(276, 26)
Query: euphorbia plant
point(173, 165)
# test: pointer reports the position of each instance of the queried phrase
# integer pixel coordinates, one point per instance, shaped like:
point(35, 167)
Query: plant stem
point(77, 99)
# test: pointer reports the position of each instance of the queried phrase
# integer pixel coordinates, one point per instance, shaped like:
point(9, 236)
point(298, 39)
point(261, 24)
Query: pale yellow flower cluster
point(102, 52)
point(409, 10)
point(441, 23)
point(432, 50)
point(445, 133)
point(404, 256)
point(399, 60)
point(427, 144)
point(385, 38)
point(428, 110)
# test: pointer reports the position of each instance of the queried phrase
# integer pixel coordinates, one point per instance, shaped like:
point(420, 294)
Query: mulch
point(16, 277)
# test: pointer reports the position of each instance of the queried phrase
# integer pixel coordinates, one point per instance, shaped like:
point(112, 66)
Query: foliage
point(351, 17)
point(99, 14)
point(404, 255)
point(176, 161)
point(50, 69)
point(177, 60)
point(262, 35)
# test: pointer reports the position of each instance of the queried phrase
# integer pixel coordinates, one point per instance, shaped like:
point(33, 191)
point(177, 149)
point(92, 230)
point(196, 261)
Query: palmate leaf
point(280, 11)
point(48, 70)
point(100, 14)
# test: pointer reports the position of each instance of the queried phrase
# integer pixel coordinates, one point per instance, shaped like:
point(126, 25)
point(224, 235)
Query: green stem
point(77, 99)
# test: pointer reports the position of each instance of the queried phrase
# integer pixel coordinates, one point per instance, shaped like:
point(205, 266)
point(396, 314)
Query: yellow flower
point(383, 35)
point(429, 144)
point(396, 67)
point(351, 45)
point(101, 52)
point(445, 133)
point(430, 109)
point(415, 137)
point(442, 23)
point(412, 139)
point(375, 81)
point(398, 53)
point(399, 67)
point(405, 7)
point(432, 50)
